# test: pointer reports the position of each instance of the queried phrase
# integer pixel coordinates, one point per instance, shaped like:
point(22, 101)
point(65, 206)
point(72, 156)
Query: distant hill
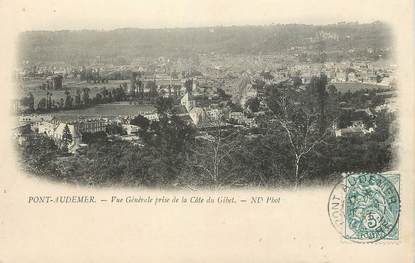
point(83, 45)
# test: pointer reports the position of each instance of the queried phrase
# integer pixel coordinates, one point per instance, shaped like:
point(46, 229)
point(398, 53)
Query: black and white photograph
point(278, 105)
point(207, 131)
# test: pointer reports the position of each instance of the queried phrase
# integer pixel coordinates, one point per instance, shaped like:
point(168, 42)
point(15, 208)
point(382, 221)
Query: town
point(303, 114)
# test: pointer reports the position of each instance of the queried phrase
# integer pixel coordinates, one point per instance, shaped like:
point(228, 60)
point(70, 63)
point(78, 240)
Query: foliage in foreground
point(261, 161)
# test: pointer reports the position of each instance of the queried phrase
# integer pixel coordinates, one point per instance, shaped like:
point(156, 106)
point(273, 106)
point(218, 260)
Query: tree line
point(81, 99)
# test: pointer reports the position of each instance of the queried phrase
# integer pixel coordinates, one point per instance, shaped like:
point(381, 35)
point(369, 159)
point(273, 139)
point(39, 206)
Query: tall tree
point(141, 122)
point(297, 116)
point(66, 138)
point(42, 104)
point(77, 98)
point(31, 101)
point(211, 157)
point(68, 101)
point(188, 85)
point(168, 141)
point(85, 96)
point(318, 90)
point(164, 105)
point(252, 104)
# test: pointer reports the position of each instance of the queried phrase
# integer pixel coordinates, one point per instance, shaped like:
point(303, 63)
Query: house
point(55, 129)
point(44, 127)
point(152, 116)
point(251, 122)
point(238, 116)
point(130, 129)
point(90, 125)
point(197, 115)
point(33, 118)
point(356, 129)
point(352, 77)
point(213, 114)
point(21, 133)
point(195, 100)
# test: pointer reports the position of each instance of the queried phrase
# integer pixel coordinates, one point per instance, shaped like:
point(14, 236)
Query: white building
point(187, 102)
point(44, 127)
point(213, 114)
point(54, 129)
point(130, 129)
point(152, 116)
point(197, 115)
point(237, 115)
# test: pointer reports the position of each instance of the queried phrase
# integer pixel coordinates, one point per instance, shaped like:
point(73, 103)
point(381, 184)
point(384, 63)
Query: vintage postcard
point(207, 131)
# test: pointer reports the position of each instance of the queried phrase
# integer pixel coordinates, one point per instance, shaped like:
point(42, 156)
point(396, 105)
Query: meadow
point(110, 110)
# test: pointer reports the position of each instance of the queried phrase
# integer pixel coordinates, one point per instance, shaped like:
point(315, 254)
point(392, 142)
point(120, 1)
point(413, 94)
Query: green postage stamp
point(365, 207)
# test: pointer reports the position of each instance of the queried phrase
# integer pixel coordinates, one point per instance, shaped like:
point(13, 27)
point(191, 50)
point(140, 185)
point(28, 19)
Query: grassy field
point(111, 110)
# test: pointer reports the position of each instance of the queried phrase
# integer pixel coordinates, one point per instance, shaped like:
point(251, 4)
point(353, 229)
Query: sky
point(112, 14)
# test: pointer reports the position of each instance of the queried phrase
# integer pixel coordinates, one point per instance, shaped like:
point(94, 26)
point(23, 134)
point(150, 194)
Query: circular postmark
point(365, 208)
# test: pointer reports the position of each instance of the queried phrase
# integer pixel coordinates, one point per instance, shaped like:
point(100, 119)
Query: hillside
point(80, 46)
